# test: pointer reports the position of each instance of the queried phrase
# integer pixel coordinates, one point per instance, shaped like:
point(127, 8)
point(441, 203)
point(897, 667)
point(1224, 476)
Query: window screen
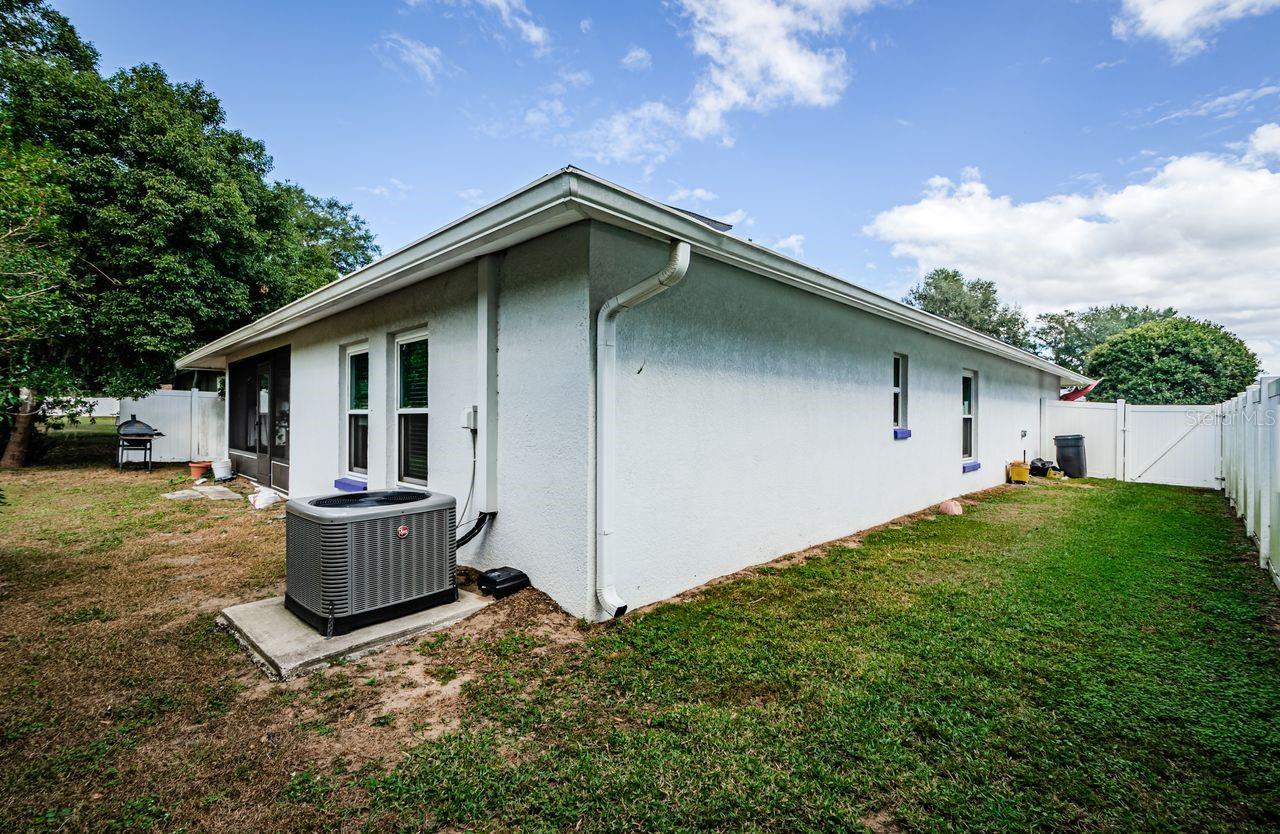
point(968, 412)
point(358, 412)
point(899, 391)
point(358, 382)
point(412, 361)
point(413, 374)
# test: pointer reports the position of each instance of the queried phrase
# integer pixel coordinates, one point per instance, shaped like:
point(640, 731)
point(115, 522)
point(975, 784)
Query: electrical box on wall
point(470, 418)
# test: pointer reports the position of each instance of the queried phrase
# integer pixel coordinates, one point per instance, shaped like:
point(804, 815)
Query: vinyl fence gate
point(194, 424)
point(1157, 444)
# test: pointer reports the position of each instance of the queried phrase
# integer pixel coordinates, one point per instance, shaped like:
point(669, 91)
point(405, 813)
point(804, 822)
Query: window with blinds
point(412, 415)
point(968, 414)
point(357, 399)
point(899, 391)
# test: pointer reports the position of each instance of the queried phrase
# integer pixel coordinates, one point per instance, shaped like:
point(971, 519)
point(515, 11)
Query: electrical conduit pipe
point(607, 408)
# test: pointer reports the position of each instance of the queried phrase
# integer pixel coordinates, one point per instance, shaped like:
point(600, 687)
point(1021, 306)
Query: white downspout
point(607, 407)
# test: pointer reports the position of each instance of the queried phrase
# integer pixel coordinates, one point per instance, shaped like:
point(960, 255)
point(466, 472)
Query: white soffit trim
point(560, 199)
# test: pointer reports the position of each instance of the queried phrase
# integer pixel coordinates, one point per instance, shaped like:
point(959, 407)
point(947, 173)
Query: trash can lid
point(1071, 437)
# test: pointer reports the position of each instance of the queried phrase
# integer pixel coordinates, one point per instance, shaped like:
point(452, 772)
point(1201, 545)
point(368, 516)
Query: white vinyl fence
point(194, 424)
point(1158, 444)
point(1251, 465)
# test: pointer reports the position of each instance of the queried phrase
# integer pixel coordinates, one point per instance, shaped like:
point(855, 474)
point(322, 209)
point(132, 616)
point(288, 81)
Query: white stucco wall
point(543, 377)
point(544, 372)
point(755, 420)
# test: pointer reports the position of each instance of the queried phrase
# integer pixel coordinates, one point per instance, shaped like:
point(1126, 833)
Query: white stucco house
point(650, 402)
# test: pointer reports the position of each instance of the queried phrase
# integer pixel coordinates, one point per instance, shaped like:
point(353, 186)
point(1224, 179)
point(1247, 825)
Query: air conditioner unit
point(357, 558)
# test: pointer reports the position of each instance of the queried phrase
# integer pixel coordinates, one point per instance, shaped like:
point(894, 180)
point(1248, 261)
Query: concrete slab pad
point(287, 647)
point(183, 495)
point(218, 493)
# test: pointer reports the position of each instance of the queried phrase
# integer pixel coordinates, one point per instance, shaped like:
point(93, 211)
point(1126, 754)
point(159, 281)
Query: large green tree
point(38, 297)
point(1067, 337)
point(1173, 360)
point(972, 302)
point(171, 231)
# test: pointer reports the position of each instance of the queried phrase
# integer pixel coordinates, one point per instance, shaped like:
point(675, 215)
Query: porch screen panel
point(280, 407)
point(239, 386)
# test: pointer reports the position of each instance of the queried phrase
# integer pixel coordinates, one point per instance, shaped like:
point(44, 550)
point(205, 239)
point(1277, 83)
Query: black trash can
point(1071, 455)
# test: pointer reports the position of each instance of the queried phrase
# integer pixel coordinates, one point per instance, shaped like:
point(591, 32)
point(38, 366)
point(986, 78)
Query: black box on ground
point(502, 582)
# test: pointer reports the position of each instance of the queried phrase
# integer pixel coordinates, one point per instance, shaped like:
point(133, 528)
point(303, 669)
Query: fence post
point(1044, 427)
point(1122, 426)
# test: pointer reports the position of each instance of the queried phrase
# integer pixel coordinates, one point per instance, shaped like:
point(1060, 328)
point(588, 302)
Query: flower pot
point(199, 468)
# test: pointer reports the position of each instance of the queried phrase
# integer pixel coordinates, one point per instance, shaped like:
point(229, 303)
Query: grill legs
point(126, 447)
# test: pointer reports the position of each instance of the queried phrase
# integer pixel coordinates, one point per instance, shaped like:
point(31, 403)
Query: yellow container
point(1019, 472)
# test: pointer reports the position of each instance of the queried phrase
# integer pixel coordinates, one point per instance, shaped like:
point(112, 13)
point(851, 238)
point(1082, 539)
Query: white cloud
point(637, 58)
point(584, 25)
point(692, 195)
point(647, 134)
point(473, 197)
point(576, 78)
point(737, 217)
point(1264, 144)
point(1185, 25)
point(1106, 65)
point(1225, 106)
point(1200, 234)
point(545, 114)
point(791, 243)
point(392, 189)
point(513, 14)
point(761, 55)
point(425, 61)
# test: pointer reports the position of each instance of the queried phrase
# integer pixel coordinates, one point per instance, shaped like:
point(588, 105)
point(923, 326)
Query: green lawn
point(1059, 658)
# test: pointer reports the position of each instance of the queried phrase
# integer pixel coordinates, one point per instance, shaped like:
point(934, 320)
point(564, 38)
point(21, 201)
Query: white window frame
point(347, 412)
point(900, 390)
point(971, 417)
point(408, 337)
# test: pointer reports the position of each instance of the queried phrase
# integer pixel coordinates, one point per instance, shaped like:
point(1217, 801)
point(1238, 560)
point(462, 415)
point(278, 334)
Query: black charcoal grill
point(135, 438)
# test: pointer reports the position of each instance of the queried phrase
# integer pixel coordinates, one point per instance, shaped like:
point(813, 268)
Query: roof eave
point(536, 209)
point(564, 197)
point(604, 201)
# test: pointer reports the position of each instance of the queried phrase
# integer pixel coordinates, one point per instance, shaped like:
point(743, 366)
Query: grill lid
point(384, 498)
point(133, 427)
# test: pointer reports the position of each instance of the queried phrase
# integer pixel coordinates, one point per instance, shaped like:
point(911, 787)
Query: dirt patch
point(881, 822)
point(415, 691)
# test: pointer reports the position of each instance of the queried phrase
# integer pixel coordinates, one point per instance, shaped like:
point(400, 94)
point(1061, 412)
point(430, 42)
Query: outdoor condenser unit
point(357, 558)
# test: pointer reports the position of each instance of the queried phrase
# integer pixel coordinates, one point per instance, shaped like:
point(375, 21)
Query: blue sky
point(1074, 151)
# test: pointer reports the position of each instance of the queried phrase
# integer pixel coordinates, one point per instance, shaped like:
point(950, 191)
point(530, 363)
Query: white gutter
point(607, 407)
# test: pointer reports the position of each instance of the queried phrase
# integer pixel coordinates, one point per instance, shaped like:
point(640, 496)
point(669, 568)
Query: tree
point(1172, 360)
point(173, 234)
point(973, 303)
point(324, 240)
point(36, 291)
point(1067, 337)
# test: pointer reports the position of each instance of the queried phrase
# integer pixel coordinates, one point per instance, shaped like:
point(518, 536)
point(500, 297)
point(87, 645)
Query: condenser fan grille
point(356, 500)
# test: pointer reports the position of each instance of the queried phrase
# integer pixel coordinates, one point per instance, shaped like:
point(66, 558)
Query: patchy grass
point(1057, 658)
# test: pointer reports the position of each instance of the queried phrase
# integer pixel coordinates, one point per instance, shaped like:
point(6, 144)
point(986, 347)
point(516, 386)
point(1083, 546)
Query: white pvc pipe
point(607, 407)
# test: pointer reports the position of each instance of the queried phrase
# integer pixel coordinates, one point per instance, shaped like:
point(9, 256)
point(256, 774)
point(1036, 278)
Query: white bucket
point(221, 469)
